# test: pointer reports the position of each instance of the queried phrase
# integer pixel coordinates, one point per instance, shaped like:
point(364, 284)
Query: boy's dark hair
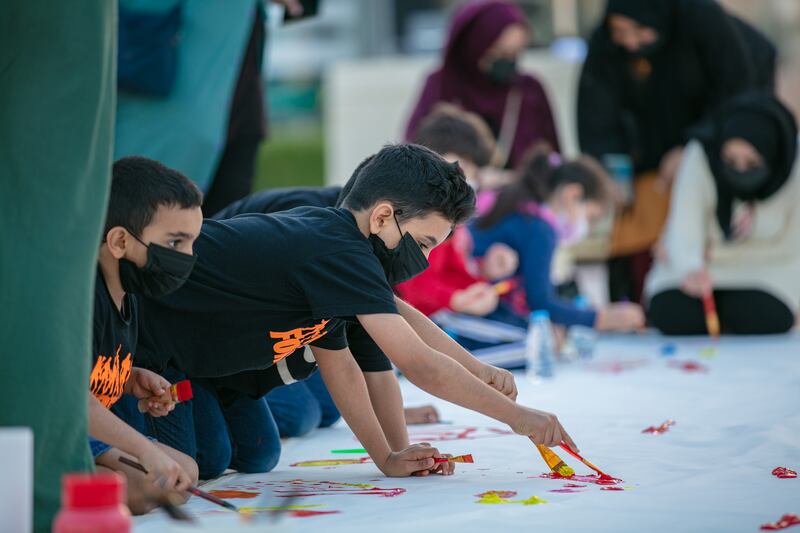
point(415, 180)
point(540, 174)
point(449, 129)
point(349, 185)
point(139, 186)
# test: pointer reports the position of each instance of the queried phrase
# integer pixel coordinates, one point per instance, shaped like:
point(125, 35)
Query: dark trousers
point(741, 312)
point(241, 435)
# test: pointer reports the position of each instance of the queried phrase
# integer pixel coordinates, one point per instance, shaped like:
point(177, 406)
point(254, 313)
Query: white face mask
point(572, 231)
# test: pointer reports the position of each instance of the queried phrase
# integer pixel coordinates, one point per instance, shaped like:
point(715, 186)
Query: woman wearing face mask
point(655, 70)
point(479, 73)
point(551, 203)
point(733, 229)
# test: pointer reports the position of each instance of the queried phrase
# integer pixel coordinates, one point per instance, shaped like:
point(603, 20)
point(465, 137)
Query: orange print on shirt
point(109, 376)
point(295, 338)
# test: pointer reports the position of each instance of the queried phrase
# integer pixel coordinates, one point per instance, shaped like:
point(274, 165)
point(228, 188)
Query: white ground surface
point(735, 422)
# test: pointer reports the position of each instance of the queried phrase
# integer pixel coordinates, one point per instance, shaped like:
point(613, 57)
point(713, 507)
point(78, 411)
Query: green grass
point(291, 157)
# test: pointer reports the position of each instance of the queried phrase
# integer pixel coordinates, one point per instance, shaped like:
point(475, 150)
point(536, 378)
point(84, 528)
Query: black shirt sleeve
point(367, 354)
point(345, 284)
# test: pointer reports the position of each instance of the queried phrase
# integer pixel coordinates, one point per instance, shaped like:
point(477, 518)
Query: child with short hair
point(552, 202)
point(153, 219)
point(270, 295)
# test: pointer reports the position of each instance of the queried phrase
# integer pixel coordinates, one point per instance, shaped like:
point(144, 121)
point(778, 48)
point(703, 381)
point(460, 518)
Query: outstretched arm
point(349, 391)
point(441, 376)
point(433, 336)
point(387, 401)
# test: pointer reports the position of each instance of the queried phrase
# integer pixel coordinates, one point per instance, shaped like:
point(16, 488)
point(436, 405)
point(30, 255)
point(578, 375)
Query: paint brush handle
point(213, 499)
point(581, 459)
point(712, 318)
point(549, 456)
point(193, 490)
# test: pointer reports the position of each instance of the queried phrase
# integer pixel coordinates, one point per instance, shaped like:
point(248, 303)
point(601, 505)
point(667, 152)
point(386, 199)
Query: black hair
point(540, 174)
point(415, 180)
point(139, 186)
point(450, 129)
point(349, 185)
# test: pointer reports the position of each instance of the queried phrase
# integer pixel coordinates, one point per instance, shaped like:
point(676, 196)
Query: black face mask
point(745, 182)
point(402, 262)
point(502, 70)
point(165, 271)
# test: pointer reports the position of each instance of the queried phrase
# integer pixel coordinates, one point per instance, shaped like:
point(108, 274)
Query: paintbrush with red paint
point(712, 318)
point(457, 459)
point(575, 454)
point(503, 287)
point(192, 490)
point(556, 464)
point(179, 392)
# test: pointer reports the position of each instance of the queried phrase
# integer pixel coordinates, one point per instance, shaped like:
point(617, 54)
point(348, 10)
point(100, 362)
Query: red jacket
point(451, 268)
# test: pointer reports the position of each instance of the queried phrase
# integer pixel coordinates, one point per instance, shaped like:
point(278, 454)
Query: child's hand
point(541, 427)
point(415, 458)
point(623, 316)
point(479, 299)
point(697, 283)
point(426, 414)
point(445, 469)
point(152, 391)
point(163, 470)
point(500, 379)
point(499, 262)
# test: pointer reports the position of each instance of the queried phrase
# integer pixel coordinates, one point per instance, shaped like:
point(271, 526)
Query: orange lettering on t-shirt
point(295, 338)
point(109, 376)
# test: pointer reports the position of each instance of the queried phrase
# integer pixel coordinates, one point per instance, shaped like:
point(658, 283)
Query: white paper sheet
point(735, 422)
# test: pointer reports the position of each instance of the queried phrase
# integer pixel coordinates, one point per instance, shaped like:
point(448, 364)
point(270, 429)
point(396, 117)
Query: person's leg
point(176, 430)
point(256, 443)
point(620, 276)
point(246, 127)
point(674, 313)
point(752, 312)
point(56, 134)
point(295, 409)
point(213, 440)
point(127, 409)
point(330, 414)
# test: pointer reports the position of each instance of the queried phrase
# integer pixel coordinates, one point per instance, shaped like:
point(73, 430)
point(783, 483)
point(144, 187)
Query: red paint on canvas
point(787, 520)
point(784, 473)
point(657, 430)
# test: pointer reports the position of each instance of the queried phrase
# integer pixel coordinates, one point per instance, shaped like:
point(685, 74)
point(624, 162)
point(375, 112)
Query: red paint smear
point(567, 490)
point(502, 494)
point(573, 486)
point(386, 493)
point(784, 473)
point(617, 367)
point(305, 513)
point(232, 494)
point(658, 430)
point(591, 478)
point(688, 366)
point(611, 488)
point(787, 520)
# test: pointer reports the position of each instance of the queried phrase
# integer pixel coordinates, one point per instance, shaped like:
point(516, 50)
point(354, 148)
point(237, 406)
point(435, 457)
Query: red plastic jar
point(92, 503)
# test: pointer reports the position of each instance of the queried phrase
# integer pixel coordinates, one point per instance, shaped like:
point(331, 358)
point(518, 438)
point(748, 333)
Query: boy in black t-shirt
point(153, 219)
point(299, 407)
point(267, 286)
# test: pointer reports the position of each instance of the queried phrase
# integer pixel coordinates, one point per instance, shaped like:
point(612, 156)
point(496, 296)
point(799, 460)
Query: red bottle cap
point(81, 491)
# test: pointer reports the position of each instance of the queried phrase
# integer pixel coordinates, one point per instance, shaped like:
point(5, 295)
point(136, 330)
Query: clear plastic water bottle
point(540, 346)
point(582, 338)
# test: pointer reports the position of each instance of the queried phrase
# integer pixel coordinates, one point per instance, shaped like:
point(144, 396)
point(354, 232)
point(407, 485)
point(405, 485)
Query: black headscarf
point(656, 14)
point(764, 122)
